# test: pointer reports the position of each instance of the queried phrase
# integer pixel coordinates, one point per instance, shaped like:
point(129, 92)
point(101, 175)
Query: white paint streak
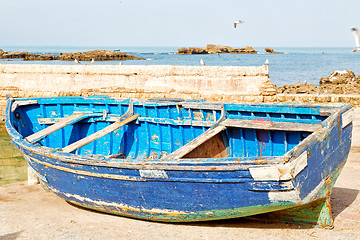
point(289, 196)
point(265, 173)
point(150, 173)
point(279, 172)
point(347, 118)
point(125, 207)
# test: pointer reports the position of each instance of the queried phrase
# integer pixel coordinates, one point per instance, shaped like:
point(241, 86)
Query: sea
point(293, 65)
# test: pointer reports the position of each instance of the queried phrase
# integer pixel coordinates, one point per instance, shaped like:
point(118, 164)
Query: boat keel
point(317, 213)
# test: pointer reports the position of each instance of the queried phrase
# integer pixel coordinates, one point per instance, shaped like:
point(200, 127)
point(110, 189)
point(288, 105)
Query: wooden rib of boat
point(179, 161)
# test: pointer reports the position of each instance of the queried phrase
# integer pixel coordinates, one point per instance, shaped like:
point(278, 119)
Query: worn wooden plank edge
point(269, 125)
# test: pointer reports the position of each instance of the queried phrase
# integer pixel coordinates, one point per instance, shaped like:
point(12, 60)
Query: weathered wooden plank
point(48, 121)
point(18, 103)
point(269, 125)
point(76, 117)
point(82, 142)
point(179, 153)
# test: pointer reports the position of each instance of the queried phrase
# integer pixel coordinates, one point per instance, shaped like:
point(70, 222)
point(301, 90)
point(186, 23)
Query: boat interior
point(164, 128)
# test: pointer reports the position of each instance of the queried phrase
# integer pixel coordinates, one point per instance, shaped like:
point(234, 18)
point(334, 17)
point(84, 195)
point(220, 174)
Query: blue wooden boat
point(180, 161)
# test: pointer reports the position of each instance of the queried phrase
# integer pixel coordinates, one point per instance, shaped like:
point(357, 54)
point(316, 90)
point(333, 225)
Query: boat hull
point(205, 188)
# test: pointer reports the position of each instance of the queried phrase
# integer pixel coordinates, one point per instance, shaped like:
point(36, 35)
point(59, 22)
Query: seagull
point(92, 61)
point(238, 22)
point(356, 33)
point(202, 62)
point(76, 61)
point(120, 63)
point(267, 62)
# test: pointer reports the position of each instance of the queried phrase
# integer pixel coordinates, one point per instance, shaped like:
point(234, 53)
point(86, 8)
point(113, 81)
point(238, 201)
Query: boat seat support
point(72, 119)
point(84, 141)
point(123, 120)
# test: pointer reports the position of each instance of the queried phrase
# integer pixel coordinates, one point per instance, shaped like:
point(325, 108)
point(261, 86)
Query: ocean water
point(294, 65)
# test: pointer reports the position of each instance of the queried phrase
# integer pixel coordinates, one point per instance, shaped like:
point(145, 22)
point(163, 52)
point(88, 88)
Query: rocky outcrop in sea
point(270, 50)
point(213, 49)
point(97, 55)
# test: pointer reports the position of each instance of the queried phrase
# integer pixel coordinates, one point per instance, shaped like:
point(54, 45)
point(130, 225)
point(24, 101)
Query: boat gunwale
point(195, 164)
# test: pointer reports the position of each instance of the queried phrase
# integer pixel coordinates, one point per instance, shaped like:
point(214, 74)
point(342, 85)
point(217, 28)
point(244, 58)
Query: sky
point(183, 23)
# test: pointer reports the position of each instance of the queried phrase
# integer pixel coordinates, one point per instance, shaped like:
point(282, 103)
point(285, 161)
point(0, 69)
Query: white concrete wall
point(228, 80)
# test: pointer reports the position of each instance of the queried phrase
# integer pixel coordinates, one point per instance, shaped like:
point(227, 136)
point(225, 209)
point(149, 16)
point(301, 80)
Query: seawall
point(23, 80)
point(205, 79)
point(214, 83)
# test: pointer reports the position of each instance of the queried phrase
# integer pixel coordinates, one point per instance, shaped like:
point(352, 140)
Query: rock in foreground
point(339, 82)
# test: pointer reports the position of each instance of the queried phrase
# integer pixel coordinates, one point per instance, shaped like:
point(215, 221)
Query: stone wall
point(140, 81)
point(227, 80)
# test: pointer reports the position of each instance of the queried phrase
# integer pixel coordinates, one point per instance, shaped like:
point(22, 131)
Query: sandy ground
point(29, 212)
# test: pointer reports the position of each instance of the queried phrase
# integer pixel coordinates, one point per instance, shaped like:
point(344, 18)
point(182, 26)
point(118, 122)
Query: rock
point(268, 89)
point(212, 49)
point(338, 77)
point(270, 50)
point(298, 88)
point(44, 57)
point(97, 55)
point(245, 50)
point(12, 55)
point(339, 82)
point(191, 50)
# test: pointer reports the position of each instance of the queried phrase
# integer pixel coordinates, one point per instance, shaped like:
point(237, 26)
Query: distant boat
point(180, 161)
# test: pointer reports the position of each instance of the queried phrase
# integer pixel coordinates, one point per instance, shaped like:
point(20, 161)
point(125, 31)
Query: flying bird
point(76, 61)
point(202, 62)
point(238, 22)
point(356, 33)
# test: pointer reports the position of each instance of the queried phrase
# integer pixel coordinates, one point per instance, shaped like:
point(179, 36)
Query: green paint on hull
point(317, 212)
point(175, 216)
